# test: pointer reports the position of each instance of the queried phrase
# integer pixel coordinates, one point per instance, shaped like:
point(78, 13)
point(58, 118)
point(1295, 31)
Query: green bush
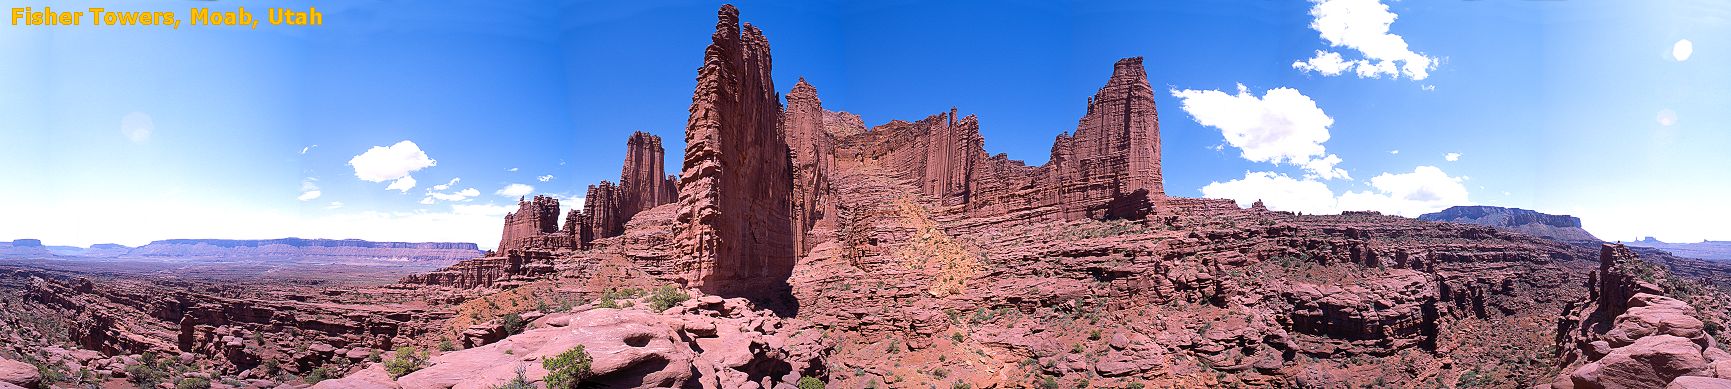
point(665, 297)
point(318, 374)
point(145, 374)
point(810, 383)
point(407, 360)
point(521, 381)
point(514, 324)
point(569, 368)
point(192, 383)
point(446, 345)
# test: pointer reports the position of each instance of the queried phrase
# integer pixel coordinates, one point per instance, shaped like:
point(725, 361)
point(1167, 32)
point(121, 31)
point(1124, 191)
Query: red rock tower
point(642, 179)
point(1115, 152)
point(535, 224)
point(813, 148)
point(734, 225)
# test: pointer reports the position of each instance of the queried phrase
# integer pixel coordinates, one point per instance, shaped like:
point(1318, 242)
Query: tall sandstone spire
point(813, 149)
point(1115, 152)
point(733, 225)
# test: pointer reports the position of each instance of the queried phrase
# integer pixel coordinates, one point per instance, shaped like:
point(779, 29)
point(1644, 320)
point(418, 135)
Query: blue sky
point(135, 134)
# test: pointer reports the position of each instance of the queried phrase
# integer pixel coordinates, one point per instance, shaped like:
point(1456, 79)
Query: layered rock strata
point(1109, 169)
point(734, 222)
point(1629, 334)
point(535, 224)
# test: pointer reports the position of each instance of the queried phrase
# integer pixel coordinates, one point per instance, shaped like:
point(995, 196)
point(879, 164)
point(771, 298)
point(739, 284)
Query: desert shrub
point(446, 345)
point(1049, 383)
point(665, 297)
point(810, 383)
point(961, 385)
point(318, 374)
point(521, 381)
point(407, 360)
point(514, 324)
point(192, 383)
point(145, 374)
point(1094, 334)
point(569, 368)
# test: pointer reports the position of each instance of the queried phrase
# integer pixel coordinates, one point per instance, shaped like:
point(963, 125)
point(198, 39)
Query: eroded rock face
point(1627, 334)
point(517, 264)
point(1109, 169)
point(734, 223)
point(535, 224)
point(643, 182)
point(813, 163)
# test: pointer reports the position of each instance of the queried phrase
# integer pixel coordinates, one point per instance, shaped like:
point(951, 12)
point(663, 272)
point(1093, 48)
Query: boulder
point(1649, 362)
point(19, 373)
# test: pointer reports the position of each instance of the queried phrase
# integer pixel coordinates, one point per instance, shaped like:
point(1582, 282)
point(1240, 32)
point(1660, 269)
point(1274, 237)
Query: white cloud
point(402, 184)
point(1282, 126)
point(1425, 189)
point(304, 150)
point(1682, 50)
point(511, 169)
point(545, 178)
point(1276, 191)
point(446, 185)
point(1394, 151)
point(393, 163)
point(515, 190)
point(1451, 157)
point(137, 126)
point(1667, 117)
point(1428, 87)
point(334, 205)
point(1363, 26)
point(461, 195)
point(309, 189)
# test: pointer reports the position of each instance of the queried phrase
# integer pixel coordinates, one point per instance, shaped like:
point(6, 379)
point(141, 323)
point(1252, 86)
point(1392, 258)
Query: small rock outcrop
point(734, 224)
point(1628, 334)
point(18, 374)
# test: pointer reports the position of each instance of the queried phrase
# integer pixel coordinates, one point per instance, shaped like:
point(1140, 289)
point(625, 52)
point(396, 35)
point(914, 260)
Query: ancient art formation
point(734, 222)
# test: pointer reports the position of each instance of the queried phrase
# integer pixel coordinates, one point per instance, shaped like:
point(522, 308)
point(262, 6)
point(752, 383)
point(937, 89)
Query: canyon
point(797, 245)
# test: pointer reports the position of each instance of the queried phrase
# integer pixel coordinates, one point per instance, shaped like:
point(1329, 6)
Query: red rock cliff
point(535, 224)
point(733, 225)
point(813, 148)
point(1109, 169)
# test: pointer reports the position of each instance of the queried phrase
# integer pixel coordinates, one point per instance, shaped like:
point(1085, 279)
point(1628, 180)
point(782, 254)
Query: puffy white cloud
point(447, 185)
point(545, 178)
point(393, 163)
point(137, 126)
point(402, 184)
point(1276, 191)
point(515, 190)
point(334, 205)
point(1282, 126)
point(461, 195)
point(511, 169)
point(309, 189)
point(1451, 157)
point(1682, 50)
point(1667, 117)
point(1426, 189)
point(1362, 26)
point(1396, 151)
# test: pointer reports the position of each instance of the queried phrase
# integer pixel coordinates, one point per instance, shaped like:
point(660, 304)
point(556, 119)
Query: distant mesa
point(1708, 249)
point(252, 248)
point(1558, 227)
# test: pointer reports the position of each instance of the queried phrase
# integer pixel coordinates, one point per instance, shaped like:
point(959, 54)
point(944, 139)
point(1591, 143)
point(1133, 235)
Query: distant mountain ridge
point(1558, 227)
point(1710, 250)
point(296, 248)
